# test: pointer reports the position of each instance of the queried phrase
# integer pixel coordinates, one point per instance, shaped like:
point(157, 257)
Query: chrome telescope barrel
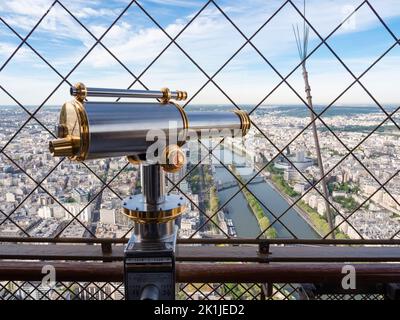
point(164, 95)
point(94, 130)
point(213, 123)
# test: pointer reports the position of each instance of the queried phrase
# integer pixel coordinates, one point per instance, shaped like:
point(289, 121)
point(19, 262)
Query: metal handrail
point(210, 241)
point(206, 273)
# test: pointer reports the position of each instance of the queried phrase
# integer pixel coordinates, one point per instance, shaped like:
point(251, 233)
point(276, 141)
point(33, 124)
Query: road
point(97, 205)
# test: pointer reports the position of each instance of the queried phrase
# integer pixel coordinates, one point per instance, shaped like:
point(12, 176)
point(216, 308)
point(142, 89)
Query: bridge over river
point(232, 184)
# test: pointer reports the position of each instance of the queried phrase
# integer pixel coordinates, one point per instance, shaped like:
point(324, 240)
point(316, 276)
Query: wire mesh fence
point(17, 290)
point(44, 197)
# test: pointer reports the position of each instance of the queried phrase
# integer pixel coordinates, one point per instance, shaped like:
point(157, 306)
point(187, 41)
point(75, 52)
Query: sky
point(209, 40)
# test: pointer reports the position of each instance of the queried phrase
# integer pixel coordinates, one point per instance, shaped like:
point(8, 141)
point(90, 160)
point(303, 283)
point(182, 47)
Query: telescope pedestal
point(149, 262)
point(149, 265)
point(98, 130)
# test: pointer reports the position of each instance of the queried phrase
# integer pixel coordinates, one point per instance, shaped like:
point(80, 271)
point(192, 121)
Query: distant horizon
point(350, 105)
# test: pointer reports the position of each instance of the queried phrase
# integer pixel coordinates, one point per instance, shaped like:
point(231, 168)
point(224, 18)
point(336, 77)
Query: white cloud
point(6, 49)
point(175, 3)
point(31, 8)
point(91, 12)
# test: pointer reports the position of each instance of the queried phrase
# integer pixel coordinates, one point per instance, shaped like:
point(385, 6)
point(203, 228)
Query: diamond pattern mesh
point(45, 197)
point(17, 290)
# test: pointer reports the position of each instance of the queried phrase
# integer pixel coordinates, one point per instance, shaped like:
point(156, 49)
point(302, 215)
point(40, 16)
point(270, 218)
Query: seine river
point(245, 223)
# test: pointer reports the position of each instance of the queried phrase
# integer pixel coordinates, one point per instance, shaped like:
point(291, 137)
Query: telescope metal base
point(149, 268)
point(138, 210)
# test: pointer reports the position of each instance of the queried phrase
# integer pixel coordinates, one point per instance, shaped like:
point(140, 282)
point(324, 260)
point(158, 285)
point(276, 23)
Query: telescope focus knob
point(174, 158)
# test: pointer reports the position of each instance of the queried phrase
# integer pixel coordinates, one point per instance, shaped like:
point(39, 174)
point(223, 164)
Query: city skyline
point(78, 191)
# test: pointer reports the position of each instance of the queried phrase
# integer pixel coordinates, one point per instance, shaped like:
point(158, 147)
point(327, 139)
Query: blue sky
point(209, 40)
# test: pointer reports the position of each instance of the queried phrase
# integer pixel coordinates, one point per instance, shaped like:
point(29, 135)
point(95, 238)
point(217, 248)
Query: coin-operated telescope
point(95, 130)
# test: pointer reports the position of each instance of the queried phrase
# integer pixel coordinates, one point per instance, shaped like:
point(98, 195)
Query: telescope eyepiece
point(64, 147)
point(79, 91)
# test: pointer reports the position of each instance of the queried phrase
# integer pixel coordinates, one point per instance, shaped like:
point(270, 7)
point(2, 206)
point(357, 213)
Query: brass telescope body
point(95, 130)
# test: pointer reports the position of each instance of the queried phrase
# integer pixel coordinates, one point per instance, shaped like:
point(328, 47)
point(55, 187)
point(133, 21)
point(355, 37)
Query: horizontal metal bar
point(243, 253)
point(232, 241)
point(206, 273)
point(65, 271)
point(285, 273)
point(62, 240)
point(124, 93)
point(288, 254)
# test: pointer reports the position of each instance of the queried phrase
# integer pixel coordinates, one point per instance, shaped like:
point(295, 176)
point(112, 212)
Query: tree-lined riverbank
point(256, 208)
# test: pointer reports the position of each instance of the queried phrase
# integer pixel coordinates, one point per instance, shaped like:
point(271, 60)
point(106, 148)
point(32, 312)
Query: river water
point(245, 223)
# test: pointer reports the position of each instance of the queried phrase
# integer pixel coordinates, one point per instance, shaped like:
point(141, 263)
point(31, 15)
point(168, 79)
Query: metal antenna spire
point(302, 47)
